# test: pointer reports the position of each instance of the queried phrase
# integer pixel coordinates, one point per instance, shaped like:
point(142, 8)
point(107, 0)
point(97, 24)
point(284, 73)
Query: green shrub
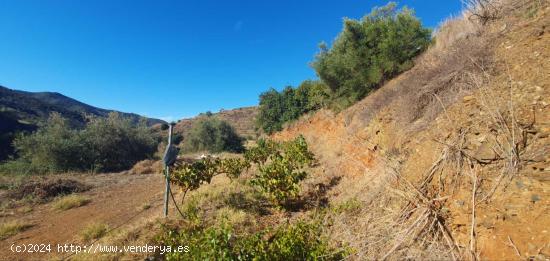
point(370, 51)
point(279, 174)
point(260, 153)
point(20, 167)
point(11, 124)
point(280, 169)
point(115, 143)
point(278, 181)
point(105, 144)
point(53, 147)
point(213, 135)
point(190, 176)
point(316, 93)
point(300, 241)
point(271, 111)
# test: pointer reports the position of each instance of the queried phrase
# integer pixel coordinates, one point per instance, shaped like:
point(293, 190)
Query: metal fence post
point(167, 174)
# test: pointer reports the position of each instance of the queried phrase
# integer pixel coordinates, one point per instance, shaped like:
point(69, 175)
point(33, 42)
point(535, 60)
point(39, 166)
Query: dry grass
point(25, 209)
point(94, 231)
point(410, 219)
point(483, 11)
point(147, 167)
point(442, 76)
point(220, 194)
point(403, 219)
point(137, 234)
point(233, 216)
point(454, 29)
point(70, 201)
point(9, 229)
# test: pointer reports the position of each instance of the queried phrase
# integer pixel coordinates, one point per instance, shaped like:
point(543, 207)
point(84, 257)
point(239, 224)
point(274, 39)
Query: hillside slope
point(450, 159)
point(242, 119)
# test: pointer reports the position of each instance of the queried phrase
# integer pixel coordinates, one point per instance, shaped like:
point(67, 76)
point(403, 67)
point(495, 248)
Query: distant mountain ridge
point(23, 111)
point(37, 106)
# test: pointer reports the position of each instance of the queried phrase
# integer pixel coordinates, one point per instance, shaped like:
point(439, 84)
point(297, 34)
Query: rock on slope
point(451, 159)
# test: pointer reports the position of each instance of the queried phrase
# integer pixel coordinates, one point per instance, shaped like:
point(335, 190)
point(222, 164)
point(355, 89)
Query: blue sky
point(173, 59)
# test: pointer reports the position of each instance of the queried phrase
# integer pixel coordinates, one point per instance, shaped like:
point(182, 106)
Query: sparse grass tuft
point(9, 229)
point(25, 209)
point(94, 231)
point(347, 206)
point(145, 206)
point(70, 201)
point(233, 216)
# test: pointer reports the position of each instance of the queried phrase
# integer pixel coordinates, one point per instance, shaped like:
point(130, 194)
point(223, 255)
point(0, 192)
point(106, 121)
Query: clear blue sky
point(173, 59)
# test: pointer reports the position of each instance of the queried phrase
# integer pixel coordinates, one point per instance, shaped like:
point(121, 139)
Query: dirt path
point(116, 200)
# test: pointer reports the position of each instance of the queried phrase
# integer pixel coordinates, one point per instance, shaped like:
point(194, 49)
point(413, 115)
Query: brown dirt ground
point(115, 200)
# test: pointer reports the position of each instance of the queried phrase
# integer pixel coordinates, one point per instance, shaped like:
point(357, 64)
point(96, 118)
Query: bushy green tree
point(214, 135)
point(271, 111)
point(105, 144)
point(53, 147)
point(115, 143)
point(370, 51)
point(315, 93)
point(276, 108)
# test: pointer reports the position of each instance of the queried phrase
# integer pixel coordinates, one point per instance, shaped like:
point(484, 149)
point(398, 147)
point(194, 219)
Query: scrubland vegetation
point(105, 144)
point(278, 169)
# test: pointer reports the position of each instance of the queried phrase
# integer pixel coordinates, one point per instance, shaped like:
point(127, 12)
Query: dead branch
point(514, 246)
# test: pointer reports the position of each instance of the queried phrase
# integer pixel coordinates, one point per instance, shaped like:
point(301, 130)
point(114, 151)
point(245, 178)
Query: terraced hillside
point(242, 119)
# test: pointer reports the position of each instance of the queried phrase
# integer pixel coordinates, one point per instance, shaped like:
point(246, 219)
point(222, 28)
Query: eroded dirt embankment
point(477, 151)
